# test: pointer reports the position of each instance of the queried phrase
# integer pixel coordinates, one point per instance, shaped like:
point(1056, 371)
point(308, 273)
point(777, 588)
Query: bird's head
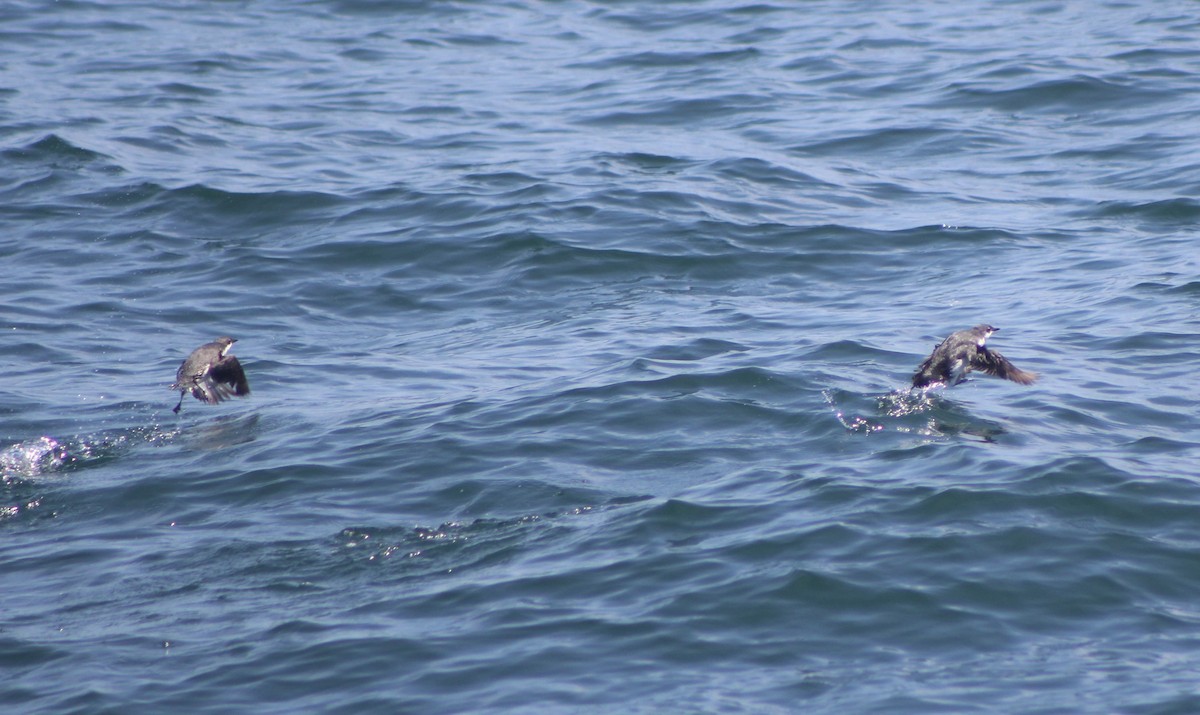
point(225, 342)
point(983, 332)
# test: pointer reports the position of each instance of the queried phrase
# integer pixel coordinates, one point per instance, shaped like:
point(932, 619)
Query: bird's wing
point(993, 363)
point(925, 375)
point(205, 390)
point(229, 372)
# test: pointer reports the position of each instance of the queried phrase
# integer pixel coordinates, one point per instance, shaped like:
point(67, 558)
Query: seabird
point(963, 352)
point(211, 374)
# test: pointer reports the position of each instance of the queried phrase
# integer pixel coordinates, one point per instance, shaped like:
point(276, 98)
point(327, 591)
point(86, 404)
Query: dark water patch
point(699, 349)
point(25, 659)
point(18, 655)
point(1081, 94)
point(480, 40)
point(365, 55)
point(669, 112)
point(1167, 212)
point(1189, 289)
point(48, 165)
point(1162, 345)
point(373, 8)
point(843, 350)
point(766, 173)
point(191, 138)
point(115, 26)
point(818, 64)
point(509, 185)
point(899, 141)
point(640, 161)
point(169, 145)
point(680, 522)
point(396, 212)
point(666, 17)
point(653, 59)
point(1167, 283)
point(438, 110)
point(228, 218)
point(1139, 149)
point(53, 150)
point(1160, 58)
point(929, 236)
point(759, 35)
point(875, 44)
point(1159, 445)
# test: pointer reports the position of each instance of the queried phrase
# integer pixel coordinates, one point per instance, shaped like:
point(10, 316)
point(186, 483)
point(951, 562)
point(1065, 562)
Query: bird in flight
point(211, 374)
point(963, 352)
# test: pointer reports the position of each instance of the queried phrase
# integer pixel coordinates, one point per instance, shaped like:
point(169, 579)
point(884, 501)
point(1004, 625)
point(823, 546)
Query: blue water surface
point(579, 335)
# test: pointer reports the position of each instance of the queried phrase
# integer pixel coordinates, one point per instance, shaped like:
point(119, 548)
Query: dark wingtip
point(1023, 377)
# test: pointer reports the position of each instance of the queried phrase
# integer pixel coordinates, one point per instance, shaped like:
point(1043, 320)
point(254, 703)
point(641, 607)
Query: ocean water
point(579, 335)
